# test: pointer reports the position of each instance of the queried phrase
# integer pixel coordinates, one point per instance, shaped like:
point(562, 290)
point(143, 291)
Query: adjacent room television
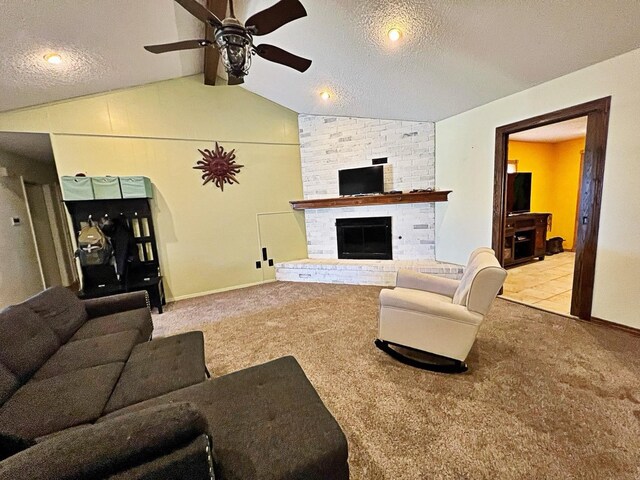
point(518, 193)
point(355, 181)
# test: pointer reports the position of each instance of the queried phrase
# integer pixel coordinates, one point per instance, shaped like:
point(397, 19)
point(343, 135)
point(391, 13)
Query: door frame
point(597, 113)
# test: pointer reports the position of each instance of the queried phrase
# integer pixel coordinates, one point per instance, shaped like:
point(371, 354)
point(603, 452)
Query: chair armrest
point(133, 442)
point(426, 282)
point(410, 299)
point(99, 307)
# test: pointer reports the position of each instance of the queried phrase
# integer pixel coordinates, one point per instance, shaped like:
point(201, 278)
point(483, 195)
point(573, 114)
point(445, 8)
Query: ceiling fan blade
point(172, 47)
point(235, 80)
point(278, 55)
point(276, 16)
point(199, 11)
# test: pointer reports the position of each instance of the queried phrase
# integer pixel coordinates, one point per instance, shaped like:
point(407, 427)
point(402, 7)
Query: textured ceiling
point(36, 146)
point(556, 132)
point(453, 56)
point(100, 42)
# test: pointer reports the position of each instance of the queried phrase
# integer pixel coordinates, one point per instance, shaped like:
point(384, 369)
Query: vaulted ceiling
point(452, 56)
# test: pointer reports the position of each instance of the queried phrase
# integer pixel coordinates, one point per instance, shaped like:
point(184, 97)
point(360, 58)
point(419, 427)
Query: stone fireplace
point(329, 144)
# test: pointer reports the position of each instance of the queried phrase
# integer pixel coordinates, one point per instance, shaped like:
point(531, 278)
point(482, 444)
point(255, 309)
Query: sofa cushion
point(158, 367)
point(138, 319)
point(61, 309)
point(75, 428)
point(46, 406)
point(265, 421)
point(12, 444)
point(26, 342)
point(91, 352)
point(9, 383)
point(118, 447)
point(188, 462)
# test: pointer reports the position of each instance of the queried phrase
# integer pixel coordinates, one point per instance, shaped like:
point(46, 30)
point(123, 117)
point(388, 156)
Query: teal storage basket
point(77, 188)
point(106, 188)
point(136, 187)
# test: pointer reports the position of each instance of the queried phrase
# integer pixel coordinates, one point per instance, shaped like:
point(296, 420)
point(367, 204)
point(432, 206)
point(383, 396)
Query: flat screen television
point(518, 192)
point(354, 181)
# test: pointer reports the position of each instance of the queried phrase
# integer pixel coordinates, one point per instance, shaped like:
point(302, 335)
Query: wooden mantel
point(361, 200)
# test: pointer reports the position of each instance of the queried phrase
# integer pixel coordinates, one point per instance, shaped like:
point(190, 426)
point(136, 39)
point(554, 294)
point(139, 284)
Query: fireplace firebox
point(364, 238)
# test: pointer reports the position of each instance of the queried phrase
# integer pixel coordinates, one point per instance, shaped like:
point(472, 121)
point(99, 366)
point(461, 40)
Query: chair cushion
point(266, 421)
point(26, 342)
point(9, 383)
point(482, 279)
point(158, 367)
point(138, 319)
point(91, 352)
point(462, 293)
point(60, 309)
point(45, 406)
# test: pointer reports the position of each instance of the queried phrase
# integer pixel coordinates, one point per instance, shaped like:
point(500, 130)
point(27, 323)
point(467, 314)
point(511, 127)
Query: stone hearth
point(360, 272)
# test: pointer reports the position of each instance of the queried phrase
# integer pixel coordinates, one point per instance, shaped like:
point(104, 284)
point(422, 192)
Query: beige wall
point(20, 275)
point(465, 147)
point(207, 239)
point(32, 170)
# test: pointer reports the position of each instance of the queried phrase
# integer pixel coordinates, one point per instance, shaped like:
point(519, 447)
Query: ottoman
point(266, 422)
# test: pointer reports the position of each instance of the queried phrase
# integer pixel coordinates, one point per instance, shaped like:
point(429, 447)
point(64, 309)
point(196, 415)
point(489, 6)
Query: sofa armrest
point(426, 282)
point(99, 307)
point(144, 442)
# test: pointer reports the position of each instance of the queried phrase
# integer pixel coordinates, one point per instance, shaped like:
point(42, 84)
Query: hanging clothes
point(124, 245)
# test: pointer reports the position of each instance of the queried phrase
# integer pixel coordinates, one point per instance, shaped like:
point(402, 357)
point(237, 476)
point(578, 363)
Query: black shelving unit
point(143, 274)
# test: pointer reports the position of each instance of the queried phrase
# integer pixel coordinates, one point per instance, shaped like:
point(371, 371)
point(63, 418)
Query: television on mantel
point(358, 181)
point(518, 193)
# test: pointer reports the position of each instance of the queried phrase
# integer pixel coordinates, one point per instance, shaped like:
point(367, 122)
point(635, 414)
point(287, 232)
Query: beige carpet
point(545, 396)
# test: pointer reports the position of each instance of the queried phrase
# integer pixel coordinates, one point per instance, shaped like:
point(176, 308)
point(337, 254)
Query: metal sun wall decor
point(218, 166)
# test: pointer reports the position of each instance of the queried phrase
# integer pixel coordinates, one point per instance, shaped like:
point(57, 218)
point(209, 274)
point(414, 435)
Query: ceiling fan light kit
point(236, 45)
point(235, 40)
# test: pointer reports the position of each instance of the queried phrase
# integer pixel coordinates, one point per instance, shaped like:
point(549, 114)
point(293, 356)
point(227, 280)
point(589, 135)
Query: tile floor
point(545, 284)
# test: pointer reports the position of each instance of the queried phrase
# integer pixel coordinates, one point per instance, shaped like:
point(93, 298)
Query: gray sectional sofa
point(84, 387)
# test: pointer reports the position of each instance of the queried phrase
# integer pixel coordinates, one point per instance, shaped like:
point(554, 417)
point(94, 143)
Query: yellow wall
point(555, 180)
point(207, 239)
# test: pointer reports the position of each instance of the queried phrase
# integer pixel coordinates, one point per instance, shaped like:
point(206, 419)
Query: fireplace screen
point(364, 238)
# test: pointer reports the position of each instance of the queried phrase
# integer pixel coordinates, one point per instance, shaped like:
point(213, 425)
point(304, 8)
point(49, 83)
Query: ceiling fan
point(233, 41)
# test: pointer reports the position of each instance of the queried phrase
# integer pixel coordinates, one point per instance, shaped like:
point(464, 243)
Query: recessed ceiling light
point(53, 58)
point(325, 96)
point(394, 34)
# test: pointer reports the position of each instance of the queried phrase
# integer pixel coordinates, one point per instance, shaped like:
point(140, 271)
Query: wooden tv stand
point(525, 237)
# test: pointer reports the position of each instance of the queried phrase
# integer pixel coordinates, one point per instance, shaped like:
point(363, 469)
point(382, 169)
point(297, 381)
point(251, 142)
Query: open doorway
point(520, 222)
point(543, 191)
point(34, 236)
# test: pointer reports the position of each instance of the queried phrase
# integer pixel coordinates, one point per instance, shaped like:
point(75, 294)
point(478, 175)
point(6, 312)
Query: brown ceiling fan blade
point(199, 11)
point(235, 80)
point(172, 47)
point(278, 55)
point(274, 17)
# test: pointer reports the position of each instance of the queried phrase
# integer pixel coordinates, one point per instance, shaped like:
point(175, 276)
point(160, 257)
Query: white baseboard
point(219, 290)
